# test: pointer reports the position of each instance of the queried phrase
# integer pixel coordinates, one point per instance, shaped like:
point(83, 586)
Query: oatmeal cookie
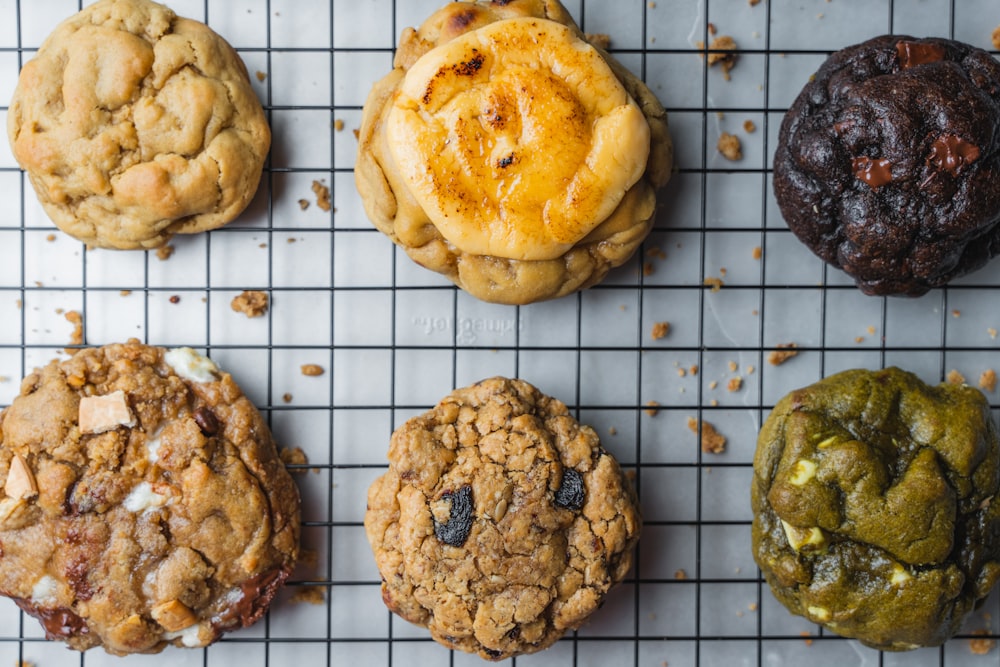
point(501, 523)
point(510, 155)
point(886, 164)
point(134, 124)
point(143, 501)
point(874, 506)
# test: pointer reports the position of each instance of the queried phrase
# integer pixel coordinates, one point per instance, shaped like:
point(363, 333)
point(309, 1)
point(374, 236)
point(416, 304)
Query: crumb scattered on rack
point(680, 574)
point(357, 133)
point(716, 283)
point(730, 147)
point(805, 634)
point(988, 380)
point(303, 204)
point(713, 384)
point(734, 384)
point(996, 37)
point(956, 313)
point(648, 269)
point(980, 644)
point(164, 252)
point(338, 124)
point(726, 61)
point(312, 370)
point(652, 408)
point(612, 430)
point(752, 606)
point(992, 332)
point(712, 442)
point(733, 366)
point(174, 299)
point(261, 75)
point(252, 303)
point(50, 238)
point(694, 369)
point(125, 292)
point(286, 397)
point(309, 594)
point(784, 352)
point(750, 370)
point(322, 193)
point(599, 39)
point(954, 377)
point(682, 372)
point(660, 330)
point(712, 29)
point(291, 239)
point(656, 252)
point(749, 126)
point(859, 339)
point(753, 3)
point(293, 456)
point(74, 318)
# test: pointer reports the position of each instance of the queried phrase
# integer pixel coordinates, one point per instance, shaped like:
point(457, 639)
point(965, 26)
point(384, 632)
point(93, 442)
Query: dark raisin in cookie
point(874, 506)
point(888, 163)
point(501, 523)
point(143, 502)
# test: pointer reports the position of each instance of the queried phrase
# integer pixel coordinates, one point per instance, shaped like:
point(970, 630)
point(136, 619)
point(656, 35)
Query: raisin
point(569, 495)
point(456, 530)
point(493, 653)
point(206, 421)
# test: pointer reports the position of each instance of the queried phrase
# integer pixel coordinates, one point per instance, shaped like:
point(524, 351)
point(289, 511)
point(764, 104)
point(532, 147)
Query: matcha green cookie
point(873, 514)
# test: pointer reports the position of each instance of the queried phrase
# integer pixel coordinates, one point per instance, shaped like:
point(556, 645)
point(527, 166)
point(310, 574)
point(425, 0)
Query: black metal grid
point(420, 337)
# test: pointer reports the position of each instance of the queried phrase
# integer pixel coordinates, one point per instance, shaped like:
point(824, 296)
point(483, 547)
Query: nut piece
point(20, 481)
point(104, 413)
point(173, 616)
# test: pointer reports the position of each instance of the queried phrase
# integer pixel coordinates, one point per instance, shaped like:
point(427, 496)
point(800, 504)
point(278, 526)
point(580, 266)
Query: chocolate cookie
point(134, 124)
point(874, 506)
point(143, 501)
point(501, 523)
point(507, 153)
point(888, 163)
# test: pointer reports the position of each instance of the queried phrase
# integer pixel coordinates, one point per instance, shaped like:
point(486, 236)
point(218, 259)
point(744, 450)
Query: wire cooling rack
point(394, 338)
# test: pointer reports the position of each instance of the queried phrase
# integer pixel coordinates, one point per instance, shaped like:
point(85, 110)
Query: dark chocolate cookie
point(888, 163)
point(874, 506)
point(143, 502)
point(501, 523)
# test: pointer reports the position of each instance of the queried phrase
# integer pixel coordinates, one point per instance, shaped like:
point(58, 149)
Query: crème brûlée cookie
point(142, 501)
point(501, 523)
point(509, 154)
point(134, 124)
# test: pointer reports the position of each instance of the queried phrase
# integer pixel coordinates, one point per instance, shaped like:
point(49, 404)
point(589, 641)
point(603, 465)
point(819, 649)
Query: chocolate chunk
point(570, 493)
point(257, 593)
point(912, 54)
point(875, 173)
point(456, 530)
point(60, 623)
point(950, 153)
point(206, 421)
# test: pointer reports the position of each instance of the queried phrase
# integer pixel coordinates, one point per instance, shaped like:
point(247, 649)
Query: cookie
point(873, 500)
point(501, 523)
point(143, 501)
point(887, 163)
point(508, 154)
point(134, 124)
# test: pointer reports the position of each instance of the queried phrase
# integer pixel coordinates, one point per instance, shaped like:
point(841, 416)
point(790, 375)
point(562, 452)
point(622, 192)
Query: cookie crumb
point(293, 456)
point(76, 319)
point(753, 3)
point(859, 339)
point(712, 442)
point(733, 366)
point(806, 635)
point(784, 352)
point(357, 133)
point(651, 408)
point(712, 29)
point(261, 76)
point(954, 377)
point(680, 575)
point(725, 60)
point(714, 402)
point(871, 330)
point(682, 372)
point(322, 193)
point(981, 644)
point(648, 269)
point(50, 238)
point(125, 292)
point(752, 606)
point(716, 283)
point(252, 303)
point(988, 380)
point(694, 369)
point(286, 397)
point(656, 252)
point(749, 126)
point(164, 252)
point(757, 252)
point(996, 37)
point(174, 299)
point(338, 124)
point(599, 39)
point(612, 430)
point(992, 332)
point(308, 594)
point(734, 384)
point(956, 314)
point(660, 330)
point(713, 384)
point(730, 147)
point(312, 370)
point(303, 204)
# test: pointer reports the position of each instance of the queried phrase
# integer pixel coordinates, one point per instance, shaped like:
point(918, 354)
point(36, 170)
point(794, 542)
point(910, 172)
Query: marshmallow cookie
point(509, 154)
point(143, 502)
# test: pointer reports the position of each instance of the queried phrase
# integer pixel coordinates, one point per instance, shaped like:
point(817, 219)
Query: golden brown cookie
point(510, 155)
point(134, 124)
point(501, 523)
point(143, 502)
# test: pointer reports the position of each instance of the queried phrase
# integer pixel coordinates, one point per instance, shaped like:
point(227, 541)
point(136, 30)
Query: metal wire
point(399, 336)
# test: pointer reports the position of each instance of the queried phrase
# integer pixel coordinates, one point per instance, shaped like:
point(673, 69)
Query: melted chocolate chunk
point(59, 623)
point(456, 530)
point(875, 173)
point(950, 153)
point(206, 421)
point(570, 494)
point(912, 54)
point(257, 592)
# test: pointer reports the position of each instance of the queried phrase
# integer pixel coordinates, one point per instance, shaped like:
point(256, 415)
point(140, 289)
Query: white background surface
point(385, 330)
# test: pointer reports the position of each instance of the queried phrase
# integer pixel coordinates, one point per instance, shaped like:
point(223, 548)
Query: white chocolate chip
point(190, 365)
point(899, 575)
point(189, 636)
point(44, 591)
point(819, 613)
point(20, 481)
point(803, 471)
point(143, 498)
point(802, 538)
point(105, 413)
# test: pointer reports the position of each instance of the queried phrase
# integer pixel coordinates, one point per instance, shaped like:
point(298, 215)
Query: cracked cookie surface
point(134, 124)
point(501, 523)
point(874, 506)
point(143, 501)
